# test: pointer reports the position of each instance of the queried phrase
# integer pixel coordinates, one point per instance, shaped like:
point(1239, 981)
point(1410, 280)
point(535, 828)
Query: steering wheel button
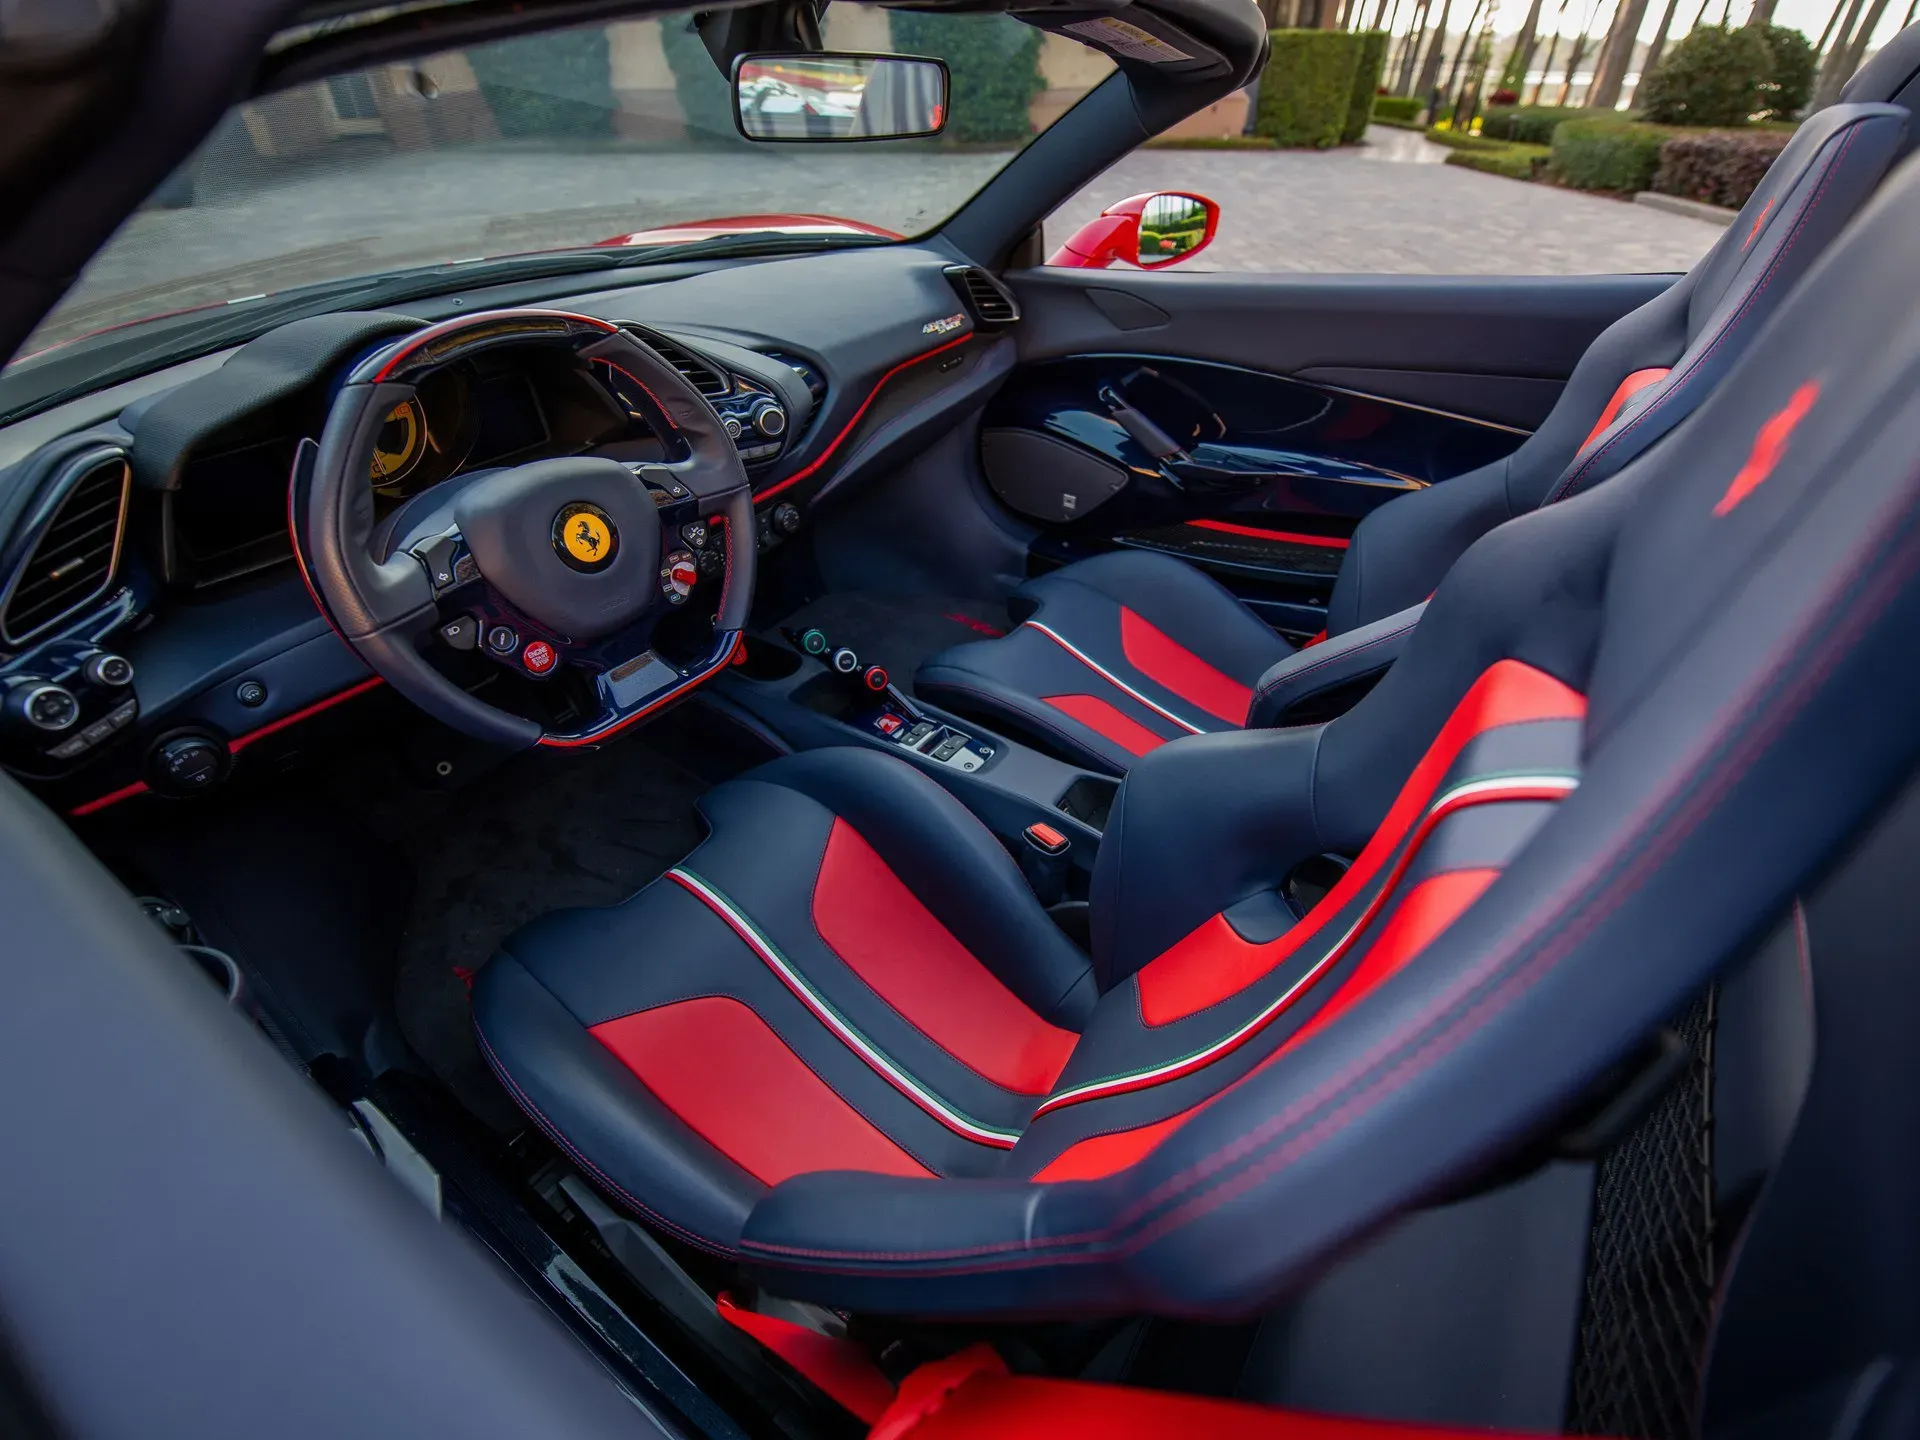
point(502, 640)
point(539, 657)
point(461, 633)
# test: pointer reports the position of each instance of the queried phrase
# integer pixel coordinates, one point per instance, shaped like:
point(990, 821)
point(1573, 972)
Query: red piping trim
point(112, 797)
point(569, 742)
point(1331, 542)
point(847, 429)
point(241, 742)
point(1226, 1045)
point(139, 787)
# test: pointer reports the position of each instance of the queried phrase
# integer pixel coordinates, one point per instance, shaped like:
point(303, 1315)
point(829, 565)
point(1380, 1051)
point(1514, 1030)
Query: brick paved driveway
point(1391, 206)
point(1385, 206)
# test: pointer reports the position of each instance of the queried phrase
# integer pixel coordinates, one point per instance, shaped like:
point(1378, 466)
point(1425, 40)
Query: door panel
point(1248, 422)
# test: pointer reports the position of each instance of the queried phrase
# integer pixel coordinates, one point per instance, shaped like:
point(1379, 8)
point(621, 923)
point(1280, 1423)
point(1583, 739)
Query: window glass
point(620, 134)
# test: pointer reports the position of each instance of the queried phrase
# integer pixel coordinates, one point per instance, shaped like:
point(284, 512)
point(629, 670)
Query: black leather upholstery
point(1629, 728)
point(1681, 344)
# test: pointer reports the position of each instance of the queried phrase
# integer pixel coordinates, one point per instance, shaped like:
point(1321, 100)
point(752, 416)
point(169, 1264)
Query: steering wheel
point(557, 566)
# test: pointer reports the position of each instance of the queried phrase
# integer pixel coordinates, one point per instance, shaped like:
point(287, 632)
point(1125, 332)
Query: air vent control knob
point(769, 419)
point(43, 706)
point(105, 668)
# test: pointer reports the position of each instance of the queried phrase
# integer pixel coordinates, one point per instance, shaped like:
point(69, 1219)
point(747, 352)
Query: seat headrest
point(1892, 75)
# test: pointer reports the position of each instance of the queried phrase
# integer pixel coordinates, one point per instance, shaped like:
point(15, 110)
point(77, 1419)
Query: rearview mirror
point(839, 97)
point(1152, 231)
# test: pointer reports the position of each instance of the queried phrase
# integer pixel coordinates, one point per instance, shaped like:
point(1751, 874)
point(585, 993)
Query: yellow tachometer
point(400, 444)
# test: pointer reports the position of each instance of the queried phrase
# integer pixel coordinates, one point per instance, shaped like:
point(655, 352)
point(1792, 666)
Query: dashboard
point(155, 632)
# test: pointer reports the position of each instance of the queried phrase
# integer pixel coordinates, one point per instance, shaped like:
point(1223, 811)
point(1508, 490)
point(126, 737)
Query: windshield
point(618, 137)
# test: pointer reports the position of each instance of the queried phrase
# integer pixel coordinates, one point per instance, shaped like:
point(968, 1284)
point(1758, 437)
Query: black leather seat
point(1125, 652)
point(841, 1044)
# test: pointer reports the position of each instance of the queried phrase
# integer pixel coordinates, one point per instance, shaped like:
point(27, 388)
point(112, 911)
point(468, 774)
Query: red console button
point(889, 723)
point(539, 657)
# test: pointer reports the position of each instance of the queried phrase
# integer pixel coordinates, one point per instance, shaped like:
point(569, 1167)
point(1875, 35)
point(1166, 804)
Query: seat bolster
point(588, 1103)
point(873, 1227)
point(953, 865)
point(1402, 551)
point(1175, 597)
point(1340, 660)
point(1160, 872)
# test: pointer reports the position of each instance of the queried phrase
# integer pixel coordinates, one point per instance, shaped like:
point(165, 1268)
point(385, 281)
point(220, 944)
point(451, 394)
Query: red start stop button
point(539, 657)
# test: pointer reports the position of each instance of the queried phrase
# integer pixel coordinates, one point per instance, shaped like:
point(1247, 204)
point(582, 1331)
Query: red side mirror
point(1150, 231)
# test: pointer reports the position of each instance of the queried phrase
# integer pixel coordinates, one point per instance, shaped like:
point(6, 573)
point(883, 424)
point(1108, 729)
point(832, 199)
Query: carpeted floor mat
point(543, 832)
point(899, 631)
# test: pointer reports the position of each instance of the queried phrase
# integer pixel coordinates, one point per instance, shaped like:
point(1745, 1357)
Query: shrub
point(995, 65)
point(1712, 77)
point(1721, 167)
point(1789, 81)
point(1602, 154)
point(1516, 162)
point(1527, 124)
point(1397, 109)
point(1306, 91)
point(1462, 139)
point(1369, 60)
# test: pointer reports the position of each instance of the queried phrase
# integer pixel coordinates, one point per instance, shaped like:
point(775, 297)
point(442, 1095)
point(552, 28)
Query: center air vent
point(816, 383)
point(72, 562)
point(991, 302)
point(699, 374)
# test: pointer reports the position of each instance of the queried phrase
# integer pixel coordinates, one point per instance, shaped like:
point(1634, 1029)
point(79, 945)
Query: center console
point(807, 691)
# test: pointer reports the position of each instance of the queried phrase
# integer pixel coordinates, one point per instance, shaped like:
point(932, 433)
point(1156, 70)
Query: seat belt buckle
point(1044, 858)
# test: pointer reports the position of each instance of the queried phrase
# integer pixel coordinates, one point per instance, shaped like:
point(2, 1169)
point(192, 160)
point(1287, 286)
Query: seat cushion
point(849, 974)
point(1122, 653)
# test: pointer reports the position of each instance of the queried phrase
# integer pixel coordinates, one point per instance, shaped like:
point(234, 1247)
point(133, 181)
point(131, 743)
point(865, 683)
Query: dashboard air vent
point(991, 302)
point(816, 383)
point(701, 375)
point(72, 563)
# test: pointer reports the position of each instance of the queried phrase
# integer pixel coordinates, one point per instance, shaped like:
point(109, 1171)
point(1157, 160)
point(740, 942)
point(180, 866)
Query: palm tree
point(1553, 44)
point(1615, 54)
point(1657, 44)
point(1430, 67)
point(1849, 47)
point(1513, 75)
point(1466, 44)
point(1580, 44)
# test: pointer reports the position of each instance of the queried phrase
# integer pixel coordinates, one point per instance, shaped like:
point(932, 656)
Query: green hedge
point(1516, 162)
point(1616, 155)
point(549, 85)
point(996, 69)
point(1462, 139)
point(1396, 109)
point(1527, 124)
point(1368, 63)
point(1306, 91)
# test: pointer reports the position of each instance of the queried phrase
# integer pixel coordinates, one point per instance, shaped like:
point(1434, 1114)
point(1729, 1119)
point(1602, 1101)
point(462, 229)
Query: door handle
point(1149, 436)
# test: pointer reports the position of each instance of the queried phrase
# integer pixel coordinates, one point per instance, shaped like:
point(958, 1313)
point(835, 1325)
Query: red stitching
point(1442, 1025)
